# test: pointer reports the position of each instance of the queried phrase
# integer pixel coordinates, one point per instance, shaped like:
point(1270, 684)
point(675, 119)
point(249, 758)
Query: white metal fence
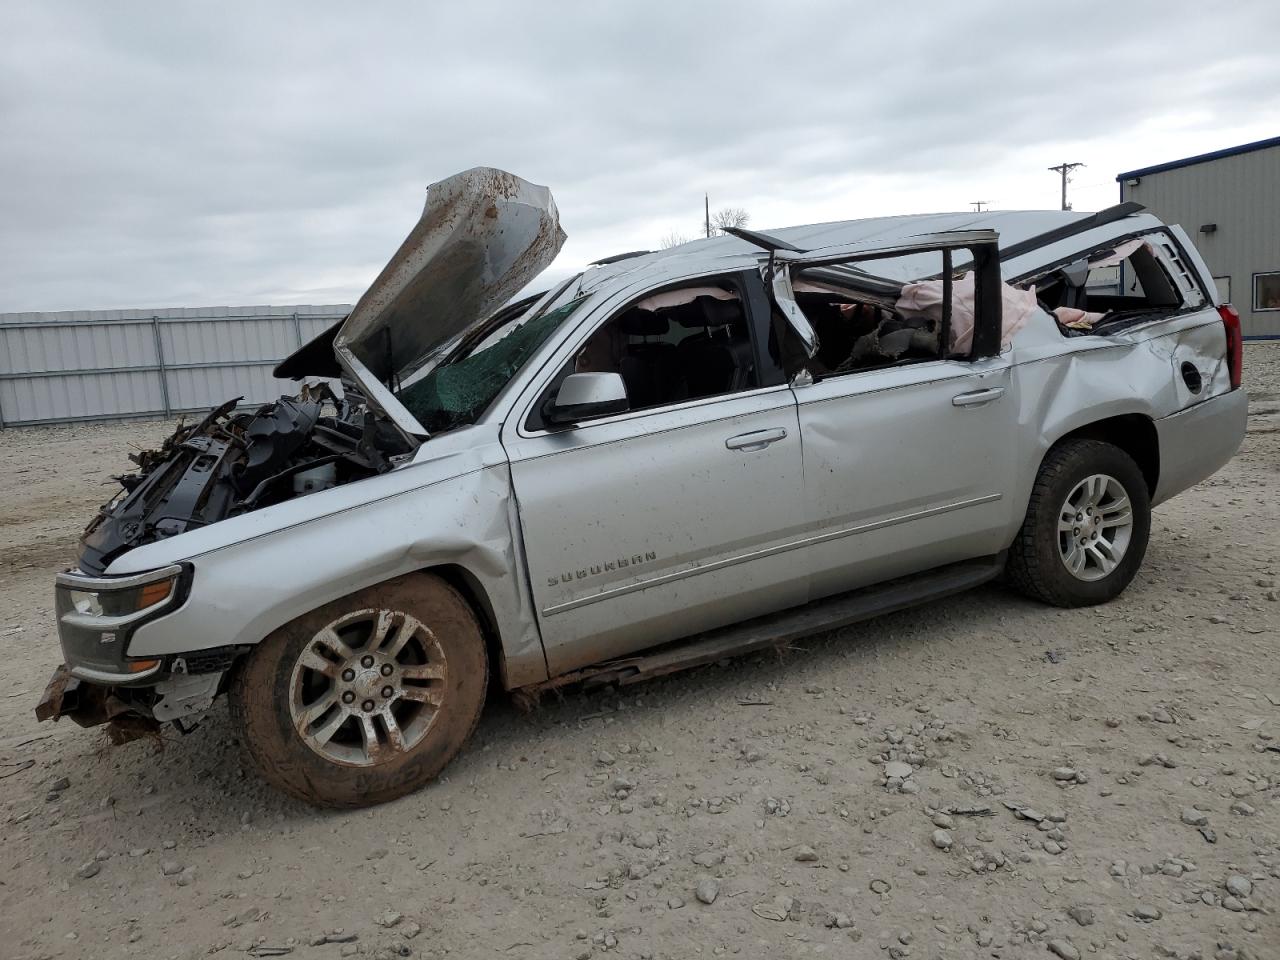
point(119, 364)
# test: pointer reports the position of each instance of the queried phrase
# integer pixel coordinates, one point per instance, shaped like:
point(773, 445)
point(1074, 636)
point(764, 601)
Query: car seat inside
point(682, 344)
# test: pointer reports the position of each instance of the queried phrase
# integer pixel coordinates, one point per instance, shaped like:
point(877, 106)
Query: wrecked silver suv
point(664, 460)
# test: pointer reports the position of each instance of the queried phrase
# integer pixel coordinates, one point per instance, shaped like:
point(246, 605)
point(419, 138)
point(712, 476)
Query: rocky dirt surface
point(981, 777)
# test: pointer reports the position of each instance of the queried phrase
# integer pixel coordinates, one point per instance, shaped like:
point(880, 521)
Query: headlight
point(87, 603)
point(102, 597)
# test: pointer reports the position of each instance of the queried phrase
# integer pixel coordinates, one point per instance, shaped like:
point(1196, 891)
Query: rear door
point(905, 470)
point(907, 456)
point(658, 523)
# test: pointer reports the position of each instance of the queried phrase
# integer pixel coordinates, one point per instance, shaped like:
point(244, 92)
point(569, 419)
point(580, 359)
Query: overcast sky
point(168, 154)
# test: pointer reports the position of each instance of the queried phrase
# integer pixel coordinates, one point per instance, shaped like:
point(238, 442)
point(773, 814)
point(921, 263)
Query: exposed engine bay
point(483, 235)
point(231, 463)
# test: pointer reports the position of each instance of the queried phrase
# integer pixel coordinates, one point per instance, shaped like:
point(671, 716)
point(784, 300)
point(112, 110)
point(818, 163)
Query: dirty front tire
point(1086, 527)
point(366, 698)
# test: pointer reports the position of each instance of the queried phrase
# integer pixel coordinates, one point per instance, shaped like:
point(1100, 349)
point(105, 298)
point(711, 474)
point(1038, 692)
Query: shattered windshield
point(458, 391)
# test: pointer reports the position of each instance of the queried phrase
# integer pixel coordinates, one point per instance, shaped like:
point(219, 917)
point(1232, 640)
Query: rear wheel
point(366, 698)
point(1086, 528)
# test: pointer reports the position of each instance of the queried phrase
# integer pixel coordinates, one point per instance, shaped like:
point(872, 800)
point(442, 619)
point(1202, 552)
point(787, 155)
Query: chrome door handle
point(977, 397)
point(756, 439)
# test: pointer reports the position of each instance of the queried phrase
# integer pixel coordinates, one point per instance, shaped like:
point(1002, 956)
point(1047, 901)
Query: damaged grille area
point(230, 463)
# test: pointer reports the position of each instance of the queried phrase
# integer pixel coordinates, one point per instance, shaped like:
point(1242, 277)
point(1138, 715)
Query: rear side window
point(1121, 284)
point(897, 308)
point(1130, 277)
point(866, 317)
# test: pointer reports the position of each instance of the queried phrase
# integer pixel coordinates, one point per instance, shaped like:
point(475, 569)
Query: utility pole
point(1064, 169)
point(706, 199)
point(979, 204)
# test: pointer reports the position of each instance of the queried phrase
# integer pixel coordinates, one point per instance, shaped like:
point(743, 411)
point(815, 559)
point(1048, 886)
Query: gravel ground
point(1100, 781)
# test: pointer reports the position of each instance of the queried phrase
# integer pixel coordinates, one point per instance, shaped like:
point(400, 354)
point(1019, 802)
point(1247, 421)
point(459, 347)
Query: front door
point(664, 521)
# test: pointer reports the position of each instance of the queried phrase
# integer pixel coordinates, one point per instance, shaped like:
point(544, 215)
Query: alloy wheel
point(1095, 525)
point(367, 687)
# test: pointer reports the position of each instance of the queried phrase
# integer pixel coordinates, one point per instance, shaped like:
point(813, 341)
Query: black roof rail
point(762, 240)
point(1101, 218)
point(605, 261)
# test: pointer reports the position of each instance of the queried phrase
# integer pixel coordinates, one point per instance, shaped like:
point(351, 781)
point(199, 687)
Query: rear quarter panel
point(1062, 384)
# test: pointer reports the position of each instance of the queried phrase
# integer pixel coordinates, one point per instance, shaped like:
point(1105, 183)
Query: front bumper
point(85, 703)
point(60, 695)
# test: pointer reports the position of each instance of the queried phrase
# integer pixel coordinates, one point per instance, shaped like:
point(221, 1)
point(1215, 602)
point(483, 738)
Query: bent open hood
point(484, 234)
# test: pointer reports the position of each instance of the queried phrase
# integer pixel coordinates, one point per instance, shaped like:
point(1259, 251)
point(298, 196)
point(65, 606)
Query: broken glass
point(457, 392)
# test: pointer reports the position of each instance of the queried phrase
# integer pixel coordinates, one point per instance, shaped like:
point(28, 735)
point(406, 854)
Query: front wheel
point(1086, 528)
point(366, 698)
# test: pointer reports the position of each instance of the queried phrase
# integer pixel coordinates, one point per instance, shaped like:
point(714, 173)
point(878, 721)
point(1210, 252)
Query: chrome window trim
point(787, 547)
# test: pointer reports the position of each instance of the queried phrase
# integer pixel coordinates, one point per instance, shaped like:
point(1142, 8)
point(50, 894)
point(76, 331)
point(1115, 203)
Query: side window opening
point(682, 343)
point(1144, 285)
point(865, 321)
point(1119, 285)
point(915, 307)
point(864, 330)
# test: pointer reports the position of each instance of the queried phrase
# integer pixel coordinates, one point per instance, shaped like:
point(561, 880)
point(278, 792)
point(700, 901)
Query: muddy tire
point(366, 698)
point(1086, 528)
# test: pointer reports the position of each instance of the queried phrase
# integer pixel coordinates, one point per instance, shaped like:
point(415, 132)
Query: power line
point(979, 204)
point(1064, 169)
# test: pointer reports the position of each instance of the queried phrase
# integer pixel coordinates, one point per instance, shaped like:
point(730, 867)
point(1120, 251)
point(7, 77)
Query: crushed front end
point(226, 464)
point(483, 235)
point(231, 463)
point(99, 682)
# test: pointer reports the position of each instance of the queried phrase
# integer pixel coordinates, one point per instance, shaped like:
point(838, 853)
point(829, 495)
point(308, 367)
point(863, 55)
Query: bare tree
point(729, 217)
point(722, 218)
point(672, 238)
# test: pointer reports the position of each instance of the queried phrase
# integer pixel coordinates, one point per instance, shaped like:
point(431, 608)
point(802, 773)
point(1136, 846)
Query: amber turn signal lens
point(154, 593)
point(142, 666)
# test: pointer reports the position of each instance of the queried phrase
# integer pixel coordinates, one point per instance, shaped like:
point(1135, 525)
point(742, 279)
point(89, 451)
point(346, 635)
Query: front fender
point(242, 591)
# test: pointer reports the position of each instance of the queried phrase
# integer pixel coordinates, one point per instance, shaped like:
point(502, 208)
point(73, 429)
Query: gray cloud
point(168, 155)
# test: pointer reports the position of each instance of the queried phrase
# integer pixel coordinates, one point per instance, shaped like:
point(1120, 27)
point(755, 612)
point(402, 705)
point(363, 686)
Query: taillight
point(1235, 342)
